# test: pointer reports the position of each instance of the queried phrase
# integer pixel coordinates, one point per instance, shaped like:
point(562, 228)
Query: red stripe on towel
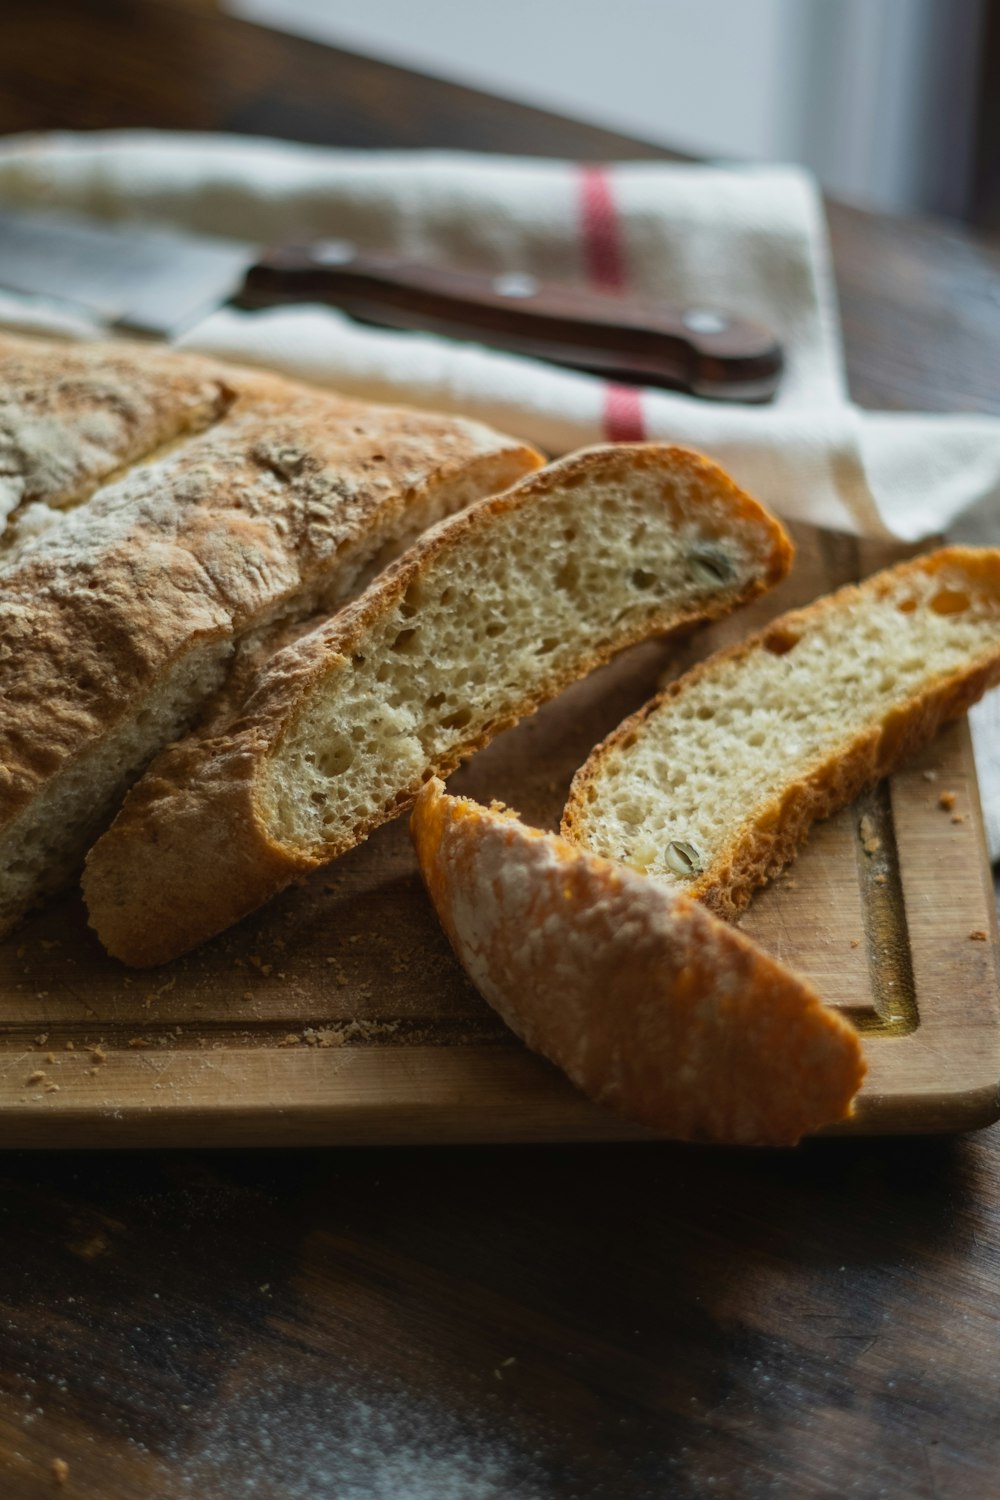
point(604, 259)
point(623, 420)
point(602, 243)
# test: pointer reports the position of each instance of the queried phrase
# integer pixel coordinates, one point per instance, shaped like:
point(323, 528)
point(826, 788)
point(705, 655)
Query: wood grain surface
point(628, 1322)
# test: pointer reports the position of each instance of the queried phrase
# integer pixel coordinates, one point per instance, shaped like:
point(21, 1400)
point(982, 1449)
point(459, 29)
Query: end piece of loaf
point(72, 415)
point(125, 592)
point(483, 620)
point(645, 1000)
point(713, 785)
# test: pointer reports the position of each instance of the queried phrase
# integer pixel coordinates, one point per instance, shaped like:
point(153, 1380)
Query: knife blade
point(154, 283)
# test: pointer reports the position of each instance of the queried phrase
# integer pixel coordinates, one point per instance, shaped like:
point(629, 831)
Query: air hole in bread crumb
point(706, 711)
point(546, 646)
point(906, 606)
point(568, 575)
point(413, 598)
point(458, 719)
point(407, 640)
point(435, 700)
point(950, 602)
point(641, 579)
point(781, 640)
point(335, 757)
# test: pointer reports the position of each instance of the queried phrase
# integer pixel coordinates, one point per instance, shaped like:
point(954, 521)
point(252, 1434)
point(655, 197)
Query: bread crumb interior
point(507, 614)
point(711, 759)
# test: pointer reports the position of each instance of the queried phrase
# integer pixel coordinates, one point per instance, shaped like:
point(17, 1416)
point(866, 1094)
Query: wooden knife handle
point(705, 351)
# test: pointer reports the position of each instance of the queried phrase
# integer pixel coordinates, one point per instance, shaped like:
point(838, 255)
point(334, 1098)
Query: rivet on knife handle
point(707, 351)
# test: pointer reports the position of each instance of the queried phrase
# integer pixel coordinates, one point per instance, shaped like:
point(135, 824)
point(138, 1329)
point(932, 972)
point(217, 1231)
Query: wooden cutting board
point(339, 1015)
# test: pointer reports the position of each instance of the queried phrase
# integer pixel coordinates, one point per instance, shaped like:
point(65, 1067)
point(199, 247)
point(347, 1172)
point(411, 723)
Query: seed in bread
point(645, 1000)
point(120, 615)
point(714, 784)
point(484, 619)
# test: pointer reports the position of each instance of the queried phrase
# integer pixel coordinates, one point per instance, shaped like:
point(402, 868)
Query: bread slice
point(120, 612)
point(645, 1000)
point(714, 784)
point(484, 619)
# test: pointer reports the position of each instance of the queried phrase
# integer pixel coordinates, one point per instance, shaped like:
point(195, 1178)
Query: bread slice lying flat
point(485, 618)
point(122, 601)
point(649, 1003)
point(713, 785)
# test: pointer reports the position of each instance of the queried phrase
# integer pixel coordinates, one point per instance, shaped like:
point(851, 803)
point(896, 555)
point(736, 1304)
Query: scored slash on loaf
point(646, 1001)
point(713, 785)
point(166, 512)
point(488, 616)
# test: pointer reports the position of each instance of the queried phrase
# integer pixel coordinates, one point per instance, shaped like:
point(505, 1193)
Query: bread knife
point(154, 283)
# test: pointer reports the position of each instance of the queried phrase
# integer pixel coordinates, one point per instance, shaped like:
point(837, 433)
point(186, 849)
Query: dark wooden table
point(628, 1322)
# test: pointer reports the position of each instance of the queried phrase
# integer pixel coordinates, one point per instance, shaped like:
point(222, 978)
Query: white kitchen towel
point(751, 239)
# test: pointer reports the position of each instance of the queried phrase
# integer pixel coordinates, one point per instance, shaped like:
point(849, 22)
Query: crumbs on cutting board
point(339, 1036)
point(946, 801)
point(870, 841)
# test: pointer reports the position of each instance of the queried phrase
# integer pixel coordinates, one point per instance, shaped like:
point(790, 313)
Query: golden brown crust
point(71, 415)
point(648, 1003)
point(761, 847)
point(272, 509)
point(144, 916)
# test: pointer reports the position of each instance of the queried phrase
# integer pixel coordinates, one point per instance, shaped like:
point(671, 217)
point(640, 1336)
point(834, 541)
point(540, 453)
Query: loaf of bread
point(484, 619)
point(164, 508)
point(714, 784)
point(645, 1000)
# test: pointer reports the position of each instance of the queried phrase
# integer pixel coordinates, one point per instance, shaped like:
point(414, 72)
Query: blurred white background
point(874, 95)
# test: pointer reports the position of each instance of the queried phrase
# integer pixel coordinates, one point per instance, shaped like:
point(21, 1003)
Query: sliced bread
point(713, 785)
point(484, 619)
point(645, 1000)
point(119, 615)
